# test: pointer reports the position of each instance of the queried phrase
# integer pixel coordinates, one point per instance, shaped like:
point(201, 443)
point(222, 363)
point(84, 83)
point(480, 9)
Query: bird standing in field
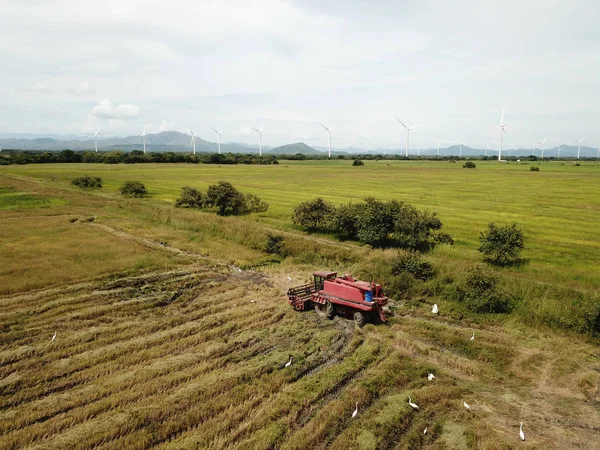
point(425, 430)
point(54, 337)
point(434, 310)
point(289, 363)
point(355, 412)
point(289, 278)
point(413, 405)
point(473, 336)
point(521, 434)
point(430, 376)
point(466, 405)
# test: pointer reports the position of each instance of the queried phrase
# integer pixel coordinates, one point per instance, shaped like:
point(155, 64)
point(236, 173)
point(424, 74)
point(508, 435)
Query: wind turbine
point(144, 138)
point(96, 139)
point(579, 145)
point(193, 140)
point(558, 150)
point(502, 131)
point(438, 148)
point(460, 151)
point(329, 130)
point(542, 146)
point(259, 131)
point(219, 133)
point(407, 133)
point(487, 147)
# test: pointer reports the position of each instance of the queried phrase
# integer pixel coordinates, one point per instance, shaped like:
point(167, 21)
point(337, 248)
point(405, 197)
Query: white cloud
point(166, 125)
point(106, 110)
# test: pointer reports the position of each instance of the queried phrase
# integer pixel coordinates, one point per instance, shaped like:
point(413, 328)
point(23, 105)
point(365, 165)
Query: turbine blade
point(401, 123)
point(544, 141)
point(332, 127)
point(582, 139)
point(326, 128)
point(222, 131)
point(414, 126)
point(214, 130)
point(261, 127)
point(97, 131)
point(502, 116)
point(191, 132)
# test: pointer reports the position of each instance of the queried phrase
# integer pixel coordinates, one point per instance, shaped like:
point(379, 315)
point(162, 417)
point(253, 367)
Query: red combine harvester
point(329, 295)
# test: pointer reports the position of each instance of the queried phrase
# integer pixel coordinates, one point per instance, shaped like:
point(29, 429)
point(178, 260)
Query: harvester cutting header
point(329, 295)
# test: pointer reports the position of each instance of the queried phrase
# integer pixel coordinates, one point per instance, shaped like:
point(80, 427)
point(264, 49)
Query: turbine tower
point(329, 130)
point(460, 151)
point(144, 138)
point(438, 148)
point(502, 132)
point(579, 145)
point(96, 139)
point(259, 131)
point(558, 150)
point(542, 146)
point(219, 133)
point(193, 141)
point(407, 133)
point(487, 147)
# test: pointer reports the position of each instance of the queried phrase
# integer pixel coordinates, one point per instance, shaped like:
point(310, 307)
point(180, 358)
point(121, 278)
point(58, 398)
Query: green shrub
point(480, 291)
point(413, 263)
point(357, 162)
point(255, 204)
point(275, 244)
point(190, 198)
point(87, 182)
point(134, 189)
point(226, 198)
point(534, 169)
point(313, 215)
point(469, 165)
point(501, 245)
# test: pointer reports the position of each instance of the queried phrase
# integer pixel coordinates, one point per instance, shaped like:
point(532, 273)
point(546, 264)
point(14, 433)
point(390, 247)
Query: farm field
point(162, 342)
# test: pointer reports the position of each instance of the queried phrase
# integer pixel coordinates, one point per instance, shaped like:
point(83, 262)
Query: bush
point(87, 182)
point(275, 244)
point(190, 198)
point(469, 165)
point(413, 263)
point(255, 204)
point(534, 169)
point(480, 292)
point(501, 245)
point(227, 198)
point(313, 215)
point(134, 189)
point(357, 162)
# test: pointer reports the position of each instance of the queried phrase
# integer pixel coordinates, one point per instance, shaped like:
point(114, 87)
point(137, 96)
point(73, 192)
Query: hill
point(292, 149)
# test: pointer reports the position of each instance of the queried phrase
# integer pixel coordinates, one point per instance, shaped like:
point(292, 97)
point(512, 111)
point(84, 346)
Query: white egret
point(430, 376)
point(425, 430)
point(289, 278)
point(473, 336)
point(252, 301)
point(289, 363)
point(54, 337)
point(466, 405)
point(434, 310)
point(413, 405)
point(355, 411)
point(521, 434)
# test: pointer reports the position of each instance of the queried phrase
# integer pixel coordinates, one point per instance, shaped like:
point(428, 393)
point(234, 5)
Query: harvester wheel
point(359, 319)
point(321, 310)
point(330, 310)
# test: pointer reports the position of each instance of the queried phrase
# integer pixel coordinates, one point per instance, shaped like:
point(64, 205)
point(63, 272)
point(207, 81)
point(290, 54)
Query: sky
point(72, 66)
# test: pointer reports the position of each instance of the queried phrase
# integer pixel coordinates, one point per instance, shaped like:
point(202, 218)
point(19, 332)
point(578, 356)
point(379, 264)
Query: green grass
point(557, 207)
point(10, 199)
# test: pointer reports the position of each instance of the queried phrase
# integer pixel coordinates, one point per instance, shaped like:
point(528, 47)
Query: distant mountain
point(165, 141)
point(292, 149)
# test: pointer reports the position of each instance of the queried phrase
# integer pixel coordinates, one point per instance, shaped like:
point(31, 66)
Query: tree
point(190, 198)
point(255, 204)
point(480, 291)
point(501, 245)
point(87, 182)
point(357, 162)
point(313, 214)
point(225, 197)
point(133, 189)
